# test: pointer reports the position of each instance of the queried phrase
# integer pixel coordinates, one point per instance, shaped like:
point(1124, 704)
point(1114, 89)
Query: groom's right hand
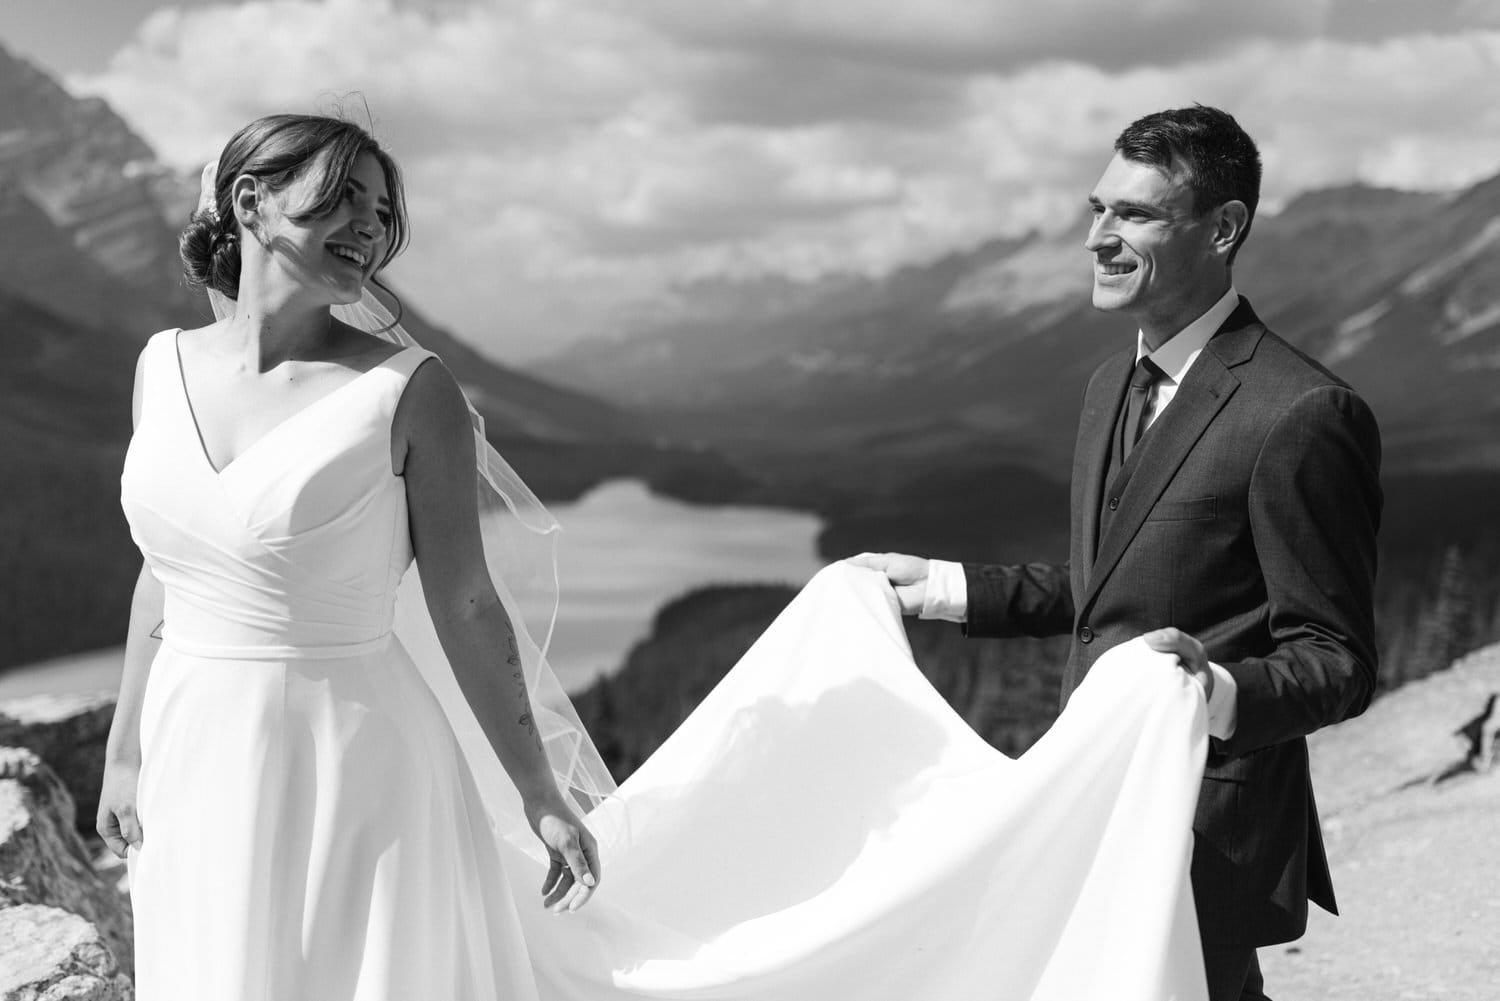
point(907, 574)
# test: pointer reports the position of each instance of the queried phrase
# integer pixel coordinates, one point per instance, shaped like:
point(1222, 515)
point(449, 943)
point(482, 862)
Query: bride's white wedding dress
point(317, 813)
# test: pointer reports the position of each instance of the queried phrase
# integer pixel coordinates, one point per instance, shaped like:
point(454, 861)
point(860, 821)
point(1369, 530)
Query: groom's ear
point(1230, 221)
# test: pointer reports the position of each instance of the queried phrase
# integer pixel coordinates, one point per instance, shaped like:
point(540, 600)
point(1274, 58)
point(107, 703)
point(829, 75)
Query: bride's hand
point(116, 820)
point(573, 856)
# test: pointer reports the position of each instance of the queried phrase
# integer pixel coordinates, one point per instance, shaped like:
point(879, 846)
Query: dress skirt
point(312, 833)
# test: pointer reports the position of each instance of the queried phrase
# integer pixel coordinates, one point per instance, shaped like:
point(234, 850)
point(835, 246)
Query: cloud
point(570, 162)
point(472, 78)
point(960, 37)
point(1362, 20)
point(1415, 112)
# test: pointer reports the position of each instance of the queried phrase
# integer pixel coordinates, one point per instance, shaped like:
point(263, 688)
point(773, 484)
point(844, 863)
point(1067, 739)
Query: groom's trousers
point(1233, 975)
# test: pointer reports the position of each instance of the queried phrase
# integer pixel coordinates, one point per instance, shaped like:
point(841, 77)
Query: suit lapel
point(1207, 387)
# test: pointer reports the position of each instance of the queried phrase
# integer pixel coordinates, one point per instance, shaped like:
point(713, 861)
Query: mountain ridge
point(94, 178)
point(1393, 290)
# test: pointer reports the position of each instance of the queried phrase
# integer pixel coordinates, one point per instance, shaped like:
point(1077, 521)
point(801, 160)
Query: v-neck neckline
point(187, 399)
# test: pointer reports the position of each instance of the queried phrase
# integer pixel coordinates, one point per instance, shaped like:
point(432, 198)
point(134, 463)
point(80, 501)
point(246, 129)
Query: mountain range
point(986, 350)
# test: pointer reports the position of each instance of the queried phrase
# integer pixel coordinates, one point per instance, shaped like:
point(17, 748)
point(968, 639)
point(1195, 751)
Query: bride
point(337, 750)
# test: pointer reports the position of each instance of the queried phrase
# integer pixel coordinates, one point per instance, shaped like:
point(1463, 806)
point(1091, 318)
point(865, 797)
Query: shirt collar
point(1177, 355)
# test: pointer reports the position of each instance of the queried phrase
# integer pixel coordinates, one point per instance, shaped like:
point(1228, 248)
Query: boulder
point(52, 955)
point(68, 732)
point(44, 862)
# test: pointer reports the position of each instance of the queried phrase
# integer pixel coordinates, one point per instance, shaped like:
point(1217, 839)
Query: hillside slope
point(1415, 865)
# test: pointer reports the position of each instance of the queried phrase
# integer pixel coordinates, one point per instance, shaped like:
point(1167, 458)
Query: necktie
point(1145, 376)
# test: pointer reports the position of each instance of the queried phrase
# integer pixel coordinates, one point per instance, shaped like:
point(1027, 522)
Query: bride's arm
point(433, 448)
point(116, 820)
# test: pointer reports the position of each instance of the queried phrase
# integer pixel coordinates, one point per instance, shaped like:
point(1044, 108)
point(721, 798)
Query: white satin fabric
point(822, 827)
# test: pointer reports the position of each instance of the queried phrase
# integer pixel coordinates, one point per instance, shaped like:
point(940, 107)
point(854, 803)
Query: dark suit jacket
point(1246, 517)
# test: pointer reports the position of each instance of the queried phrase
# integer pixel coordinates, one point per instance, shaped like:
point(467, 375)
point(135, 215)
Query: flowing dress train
point(824, 827)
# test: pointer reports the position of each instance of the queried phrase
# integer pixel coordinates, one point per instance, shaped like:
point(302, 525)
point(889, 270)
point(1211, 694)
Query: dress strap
point(161, 350)
point(158, 371)
point(404, 362)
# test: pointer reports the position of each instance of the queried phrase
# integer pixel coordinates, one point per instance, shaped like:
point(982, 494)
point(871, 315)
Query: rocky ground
point(1416, 862)
point(65, 929)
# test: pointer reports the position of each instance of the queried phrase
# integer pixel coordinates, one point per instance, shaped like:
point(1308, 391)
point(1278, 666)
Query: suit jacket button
point(1086, 634)
point(1114, 503)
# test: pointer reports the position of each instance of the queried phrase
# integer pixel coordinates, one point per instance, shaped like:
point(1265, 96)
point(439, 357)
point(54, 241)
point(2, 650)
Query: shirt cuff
point(1222, 708)
point(947, 595)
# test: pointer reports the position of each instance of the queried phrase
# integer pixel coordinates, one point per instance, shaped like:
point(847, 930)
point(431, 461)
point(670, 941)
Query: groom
point(1225, 500)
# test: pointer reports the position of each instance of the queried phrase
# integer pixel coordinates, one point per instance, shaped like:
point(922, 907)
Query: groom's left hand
point(1189, 652)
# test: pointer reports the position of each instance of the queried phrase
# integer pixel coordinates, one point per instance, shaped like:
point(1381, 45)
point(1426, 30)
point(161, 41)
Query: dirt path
point(1416, 866)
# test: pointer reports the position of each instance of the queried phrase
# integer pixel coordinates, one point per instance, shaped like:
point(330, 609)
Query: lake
point(623, 553)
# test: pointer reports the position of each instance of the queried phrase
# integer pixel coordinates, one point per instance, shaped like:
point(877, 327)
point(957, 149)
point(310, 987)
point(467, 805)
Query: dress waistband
point(274, 651)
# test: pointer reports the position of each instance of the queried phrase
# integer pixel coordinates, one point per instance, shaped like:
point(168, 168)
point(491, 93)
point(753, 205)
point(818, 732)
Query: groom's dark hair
point(1221, 161)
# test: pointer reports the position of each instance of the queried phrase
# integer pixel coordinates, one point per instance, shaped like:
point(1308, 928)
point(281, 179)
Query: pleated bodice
point(295, 548)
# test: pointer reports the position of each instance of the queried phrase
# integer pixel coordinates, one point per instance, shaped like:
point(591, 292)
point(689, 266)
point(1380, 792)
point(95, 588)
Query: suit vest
point(1117, 475)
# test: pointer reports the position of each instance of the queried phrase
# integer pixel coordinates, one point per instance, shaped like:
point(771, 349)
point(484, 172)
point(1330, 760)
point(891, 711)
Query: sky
point(573, 165)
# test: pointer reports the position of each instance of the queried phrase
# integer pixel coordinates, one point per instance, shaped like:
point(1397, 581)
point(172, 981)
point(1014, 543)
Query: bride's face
point(336, 253)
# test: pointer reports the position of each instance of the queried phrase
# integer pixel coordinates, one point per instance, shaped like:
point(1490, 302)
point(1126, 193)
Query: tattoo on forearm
point(156, 631)
point(519, 677)
point(526, 719)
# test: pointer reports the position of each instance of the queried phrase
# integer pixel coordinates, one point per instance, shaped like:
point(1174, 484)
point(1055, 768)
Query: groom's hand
point(907, 574)
point(1189, 652)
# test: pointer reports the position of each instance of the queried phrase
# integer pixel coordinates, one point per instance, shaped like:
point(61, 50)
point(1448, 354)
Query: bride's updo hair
point(279, 150)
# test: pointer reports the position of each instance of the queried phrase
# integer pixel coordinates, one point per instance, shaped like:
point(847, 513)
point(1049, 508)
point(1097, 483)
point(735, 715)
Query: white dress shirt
point(947, 594)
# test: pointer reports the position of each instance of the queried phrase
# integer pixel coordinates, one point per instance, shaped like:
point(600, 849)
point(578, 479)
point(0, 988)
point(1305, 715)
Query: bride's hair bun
point(210, 253)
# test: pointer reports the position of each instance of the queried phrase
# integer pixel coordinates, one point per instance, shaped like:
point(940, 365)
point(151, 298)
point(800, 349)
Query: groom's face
point(1151, 252)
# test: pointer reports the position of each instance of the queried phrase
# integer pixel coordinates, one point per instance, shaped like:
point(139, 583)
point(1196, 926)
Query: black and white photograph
point(743, 500)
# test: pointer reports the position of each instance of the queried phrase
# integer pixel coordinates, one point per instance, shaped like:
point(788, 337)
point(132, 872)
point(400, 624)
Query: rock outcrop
point(52, 955)
point(64, 923)
point(68, 732)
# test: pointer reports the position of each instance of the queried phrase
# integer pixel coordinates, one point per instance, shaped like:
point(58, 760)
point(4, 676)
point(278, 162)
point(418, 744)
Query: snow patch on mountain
point(1354, 332)
point(1425, 279)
